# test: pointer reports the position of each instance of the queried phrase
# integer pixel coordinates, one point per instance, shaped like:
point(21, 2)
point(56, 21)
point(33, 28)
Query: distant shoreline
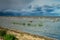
point(34, 16)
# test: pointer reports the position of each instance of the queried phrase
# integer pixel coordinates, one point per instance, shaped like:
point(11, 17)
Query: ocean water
point(50, 28)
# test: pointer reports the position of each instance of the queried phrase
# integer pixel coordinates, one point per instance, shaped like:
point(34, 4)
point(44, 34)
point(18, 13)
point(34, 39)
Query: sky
point(14, 4)
point(45, 2)
point(19, 4)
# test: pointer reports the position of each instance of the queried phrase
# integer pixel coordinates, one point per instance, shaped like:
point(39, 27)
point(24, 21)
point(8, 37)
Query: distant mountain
point(45, 10)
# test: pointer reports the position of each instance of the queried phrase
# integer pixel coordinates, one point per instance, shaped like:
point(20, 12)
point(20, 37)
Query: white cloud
point(44, 2)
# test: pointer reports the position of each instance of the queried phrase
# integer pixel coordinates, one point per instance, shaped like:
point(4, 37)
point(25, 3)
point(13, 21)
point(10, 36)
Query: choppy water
point(50, 27)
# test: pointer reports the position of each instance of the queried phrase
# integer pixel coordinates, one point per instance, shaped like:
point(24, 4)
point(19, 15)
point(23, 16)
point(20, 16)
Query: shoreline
point(34, 16)
point(27, 34)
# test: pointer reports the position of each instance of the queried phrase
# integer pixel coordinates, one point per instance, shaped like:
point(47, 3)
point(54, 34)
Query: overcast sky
point(45, 2)
point(19, 4)
point(14, 4)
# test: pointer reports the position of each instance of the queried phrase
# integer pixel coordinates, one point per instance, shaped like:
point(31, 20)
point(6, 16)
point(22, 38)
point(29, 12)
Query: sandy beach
point(25, 36)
